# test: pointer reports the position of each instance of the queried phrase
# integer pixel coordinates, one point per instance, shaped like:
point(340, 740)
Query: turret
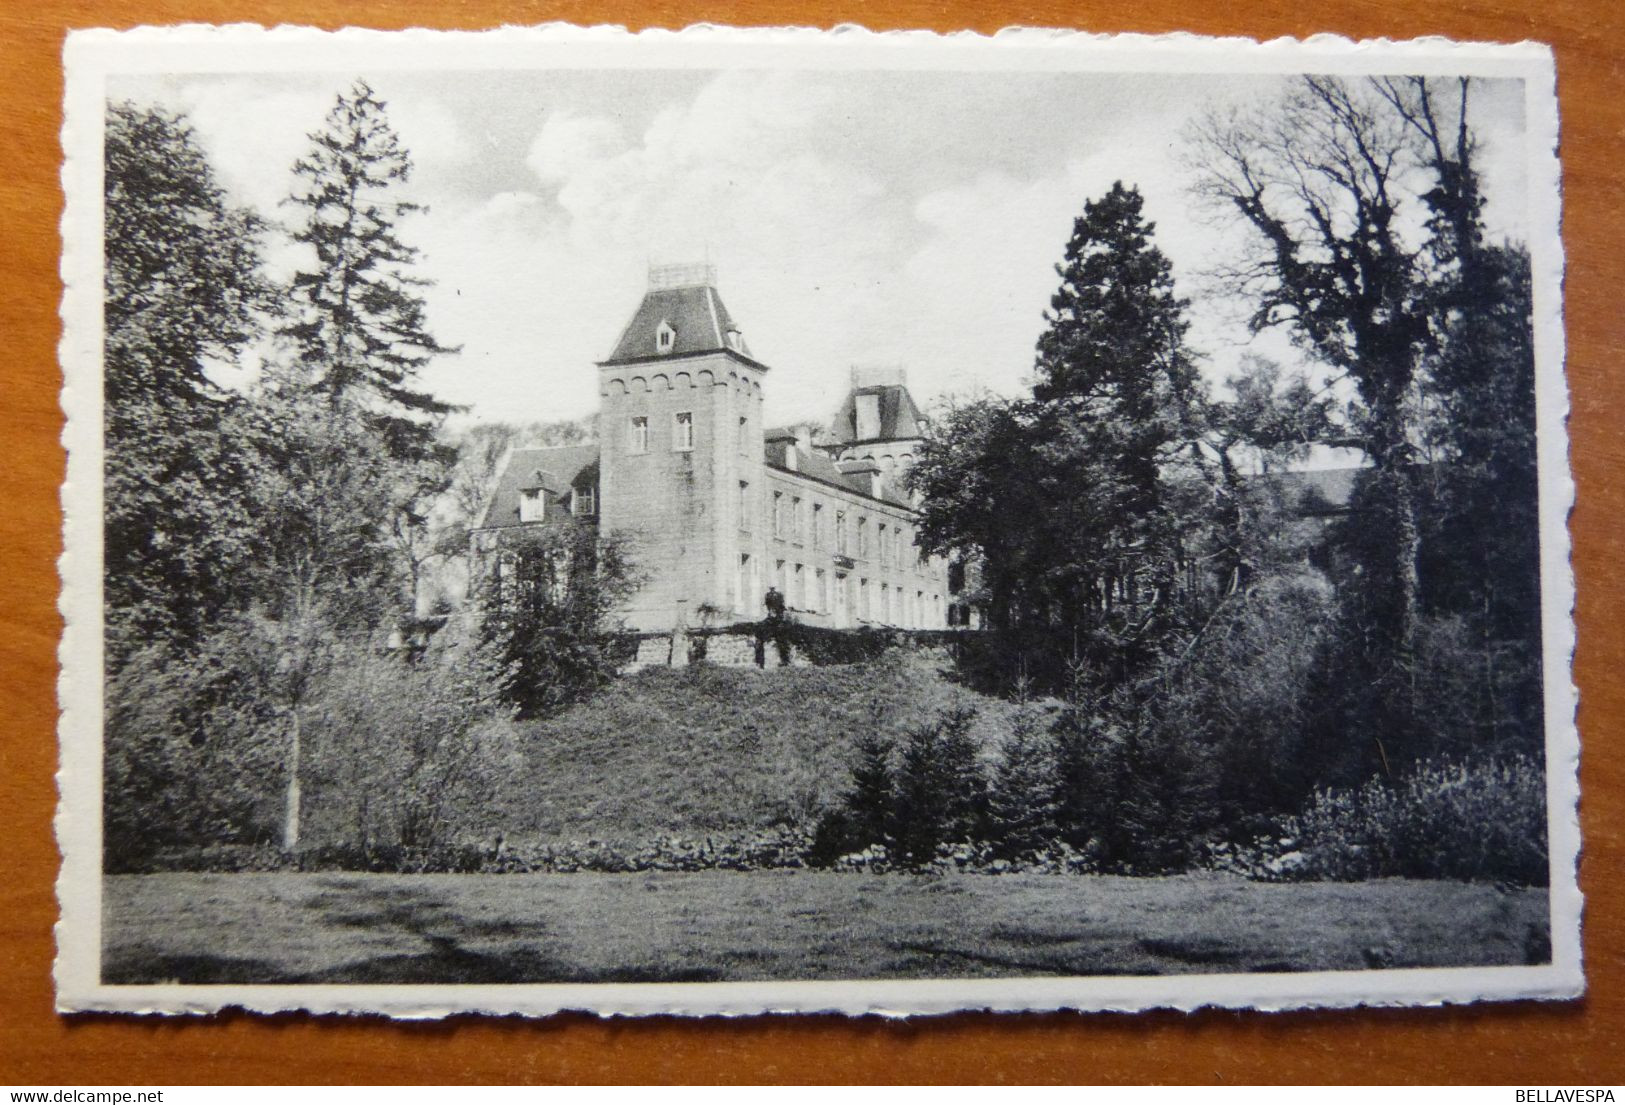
point(680, 431)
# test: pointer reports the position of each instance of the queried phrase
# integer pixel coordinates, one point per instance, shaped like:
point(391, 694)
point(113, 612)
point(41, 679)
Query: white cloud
point(910, 219)
point(570, 145)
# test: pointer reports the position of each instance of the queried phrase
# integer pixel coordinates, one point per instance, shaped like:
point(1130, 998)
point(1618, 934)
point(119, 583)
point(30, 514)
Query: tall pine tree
point(358, 317)
point(1117, 398)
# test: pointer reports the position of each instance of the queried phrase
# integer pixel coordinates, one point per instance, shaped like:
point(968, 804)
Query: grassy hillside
point(706, 749)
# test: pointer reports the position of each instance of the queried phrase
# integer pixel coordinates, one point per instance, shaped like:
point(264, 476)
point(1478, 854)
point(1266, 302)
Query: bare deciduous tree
point(1333, 185)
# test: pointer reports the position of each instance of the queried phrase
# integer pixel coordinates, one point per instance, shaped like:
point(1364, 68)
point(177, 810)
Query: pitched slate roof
point(816, 464)
point(899, 417)
point(699, 321)
point(555, 470)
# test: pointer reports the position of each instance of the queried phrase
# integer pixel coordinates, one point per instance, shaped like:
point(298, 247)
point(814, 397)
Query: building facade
point(718, 507)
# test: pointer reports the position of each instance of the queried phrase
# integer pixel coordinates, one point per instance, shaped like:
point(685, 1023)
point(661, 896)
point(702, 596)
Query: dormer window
point(665, 337)
point(531, 507)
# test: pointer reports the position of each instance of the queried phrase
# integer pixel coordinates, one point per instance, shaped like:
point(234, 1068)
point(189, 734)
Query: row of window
point(842, 596)
point(802, 522)
point(682, 433)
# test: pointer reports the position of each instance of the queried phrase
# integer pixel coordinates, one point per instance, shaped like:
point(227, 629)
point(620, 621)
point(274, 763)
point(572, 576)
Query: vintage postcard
point(728, 521)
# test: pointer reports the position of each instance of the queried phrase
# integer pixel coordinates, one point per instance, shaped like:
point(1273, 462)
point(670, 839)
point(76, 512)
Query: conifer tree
point(1115, 345)
point(940, 795)
point(1117, 398)
point(1022, 797)
point(868, 803)
point(358, 321)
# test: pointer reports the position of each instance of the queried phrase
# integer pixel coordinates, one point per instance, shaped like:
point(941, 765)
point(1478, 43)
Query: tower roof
point(681, 316)
point(896, 416)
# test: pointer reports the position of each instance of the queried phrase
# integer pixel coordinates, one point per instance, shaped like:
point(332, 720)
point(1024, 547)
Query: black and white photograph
point(736, 521)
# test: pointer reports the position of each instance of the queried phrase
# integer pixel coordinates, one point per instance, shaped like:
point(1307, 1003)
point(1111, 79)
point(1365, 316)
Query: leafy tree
point(323, 576)
point(1271, 420)
point(547, 602)
point(183, 294)
point(192, 756)
point(358, 320)
point(1367, 211)
point(1326, 180)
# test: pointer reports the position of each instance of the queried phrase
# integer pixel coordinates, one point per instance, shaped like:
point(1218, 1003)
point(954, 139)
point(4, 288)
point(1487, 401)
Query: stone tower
point(680, 439)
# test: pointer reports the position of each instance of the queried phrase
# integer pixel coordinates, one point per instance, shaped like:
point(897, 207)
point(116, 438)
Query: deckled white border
point(91, 56)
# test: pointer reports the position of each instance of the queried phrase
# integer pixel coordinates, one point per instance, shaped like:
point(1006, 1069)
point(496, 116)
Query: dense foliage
point(546, 605)
point(272, 680)
point(1440, 820)
point(184, 295)
point(314, 650)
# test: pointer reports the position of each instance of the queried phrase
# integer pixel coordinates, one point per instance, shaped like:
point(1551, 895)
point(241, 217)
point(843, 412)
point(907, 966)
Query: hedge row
point(817, 645)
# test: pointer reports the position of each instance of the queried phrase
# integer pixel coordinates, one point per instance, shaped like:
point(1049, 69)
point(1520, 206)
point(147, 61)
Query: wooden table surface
point(1522, 1043)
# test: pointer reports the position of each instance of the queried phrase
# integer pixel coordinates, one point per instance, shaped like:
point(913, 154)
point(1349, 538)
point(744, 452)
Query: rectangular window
point(798, 589)
point(638, 437)
point(798, 521)
point(581, 501)
point(682, 431)
point(818, 525)
point(820, 597)
point(863, 538)
point(778, 514)
point(863, 599)
point(919, 608)
point(531, 506)
point(742, 586)
point(744, 504)
point(884, 536)
point(840, 532)
point(885, 602)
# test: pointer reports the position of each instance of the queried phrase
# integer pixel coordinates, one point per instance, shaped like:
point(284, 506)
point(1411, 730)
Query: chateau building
point(719, 508)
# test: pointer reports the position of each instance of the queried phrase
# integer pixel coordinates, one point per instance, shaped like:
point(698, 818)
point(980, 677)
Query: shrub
point(406, 753)
point(1442, 820)
point(193, 750)
point(764, 849)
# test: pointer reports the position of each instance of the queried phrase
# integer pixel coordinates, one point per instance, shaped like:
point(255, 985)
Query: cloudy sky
point(889, 218)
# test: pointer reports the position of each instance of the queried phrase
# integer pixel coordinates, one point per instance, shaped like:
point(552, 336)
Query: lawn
point(736, 926)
